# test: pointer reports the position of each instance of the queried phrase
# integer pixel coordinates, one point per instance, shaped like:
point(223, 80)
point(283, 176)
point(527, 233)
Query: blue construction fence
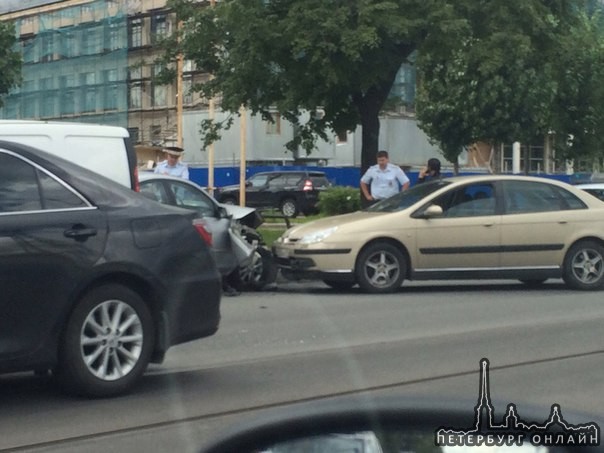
point(339, 176)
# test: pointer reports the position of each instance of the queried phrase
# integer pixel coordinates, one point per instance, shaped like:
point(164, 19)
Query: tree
point(579, 122)
point(501, 81)
point(335, 59)
point(10, 60)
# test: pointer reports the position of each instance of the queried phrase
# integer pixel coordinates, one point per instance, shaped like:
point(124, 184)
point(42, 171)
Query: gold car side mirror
point(433, 211)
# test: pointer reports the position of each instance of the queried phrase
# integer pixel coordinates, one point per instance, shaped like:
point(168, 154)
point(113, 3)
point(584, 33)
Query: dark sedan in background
point(96, 280)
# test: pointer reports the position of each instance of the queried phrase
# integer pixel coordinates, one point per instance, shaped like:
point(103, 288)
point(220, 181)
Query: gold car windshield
point(407, 198)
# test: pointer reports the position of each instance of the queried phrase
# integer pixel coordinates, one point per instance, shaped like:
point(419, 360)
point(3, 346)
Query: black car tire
point(261, 272)
point(289, 207)
point(117, 327)
point(340, 285)
point(584, 266)
point(380, 268)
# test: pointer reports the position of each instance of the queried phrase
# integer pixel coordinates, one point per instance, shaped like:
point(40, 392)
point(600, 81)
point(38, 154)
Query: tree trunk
point(370, 122)
point(369, 105)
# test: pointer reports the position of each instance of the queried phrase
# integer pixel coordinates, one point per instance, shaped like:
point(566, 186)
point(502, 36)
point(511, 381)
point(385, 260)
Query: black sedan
point(96, 280)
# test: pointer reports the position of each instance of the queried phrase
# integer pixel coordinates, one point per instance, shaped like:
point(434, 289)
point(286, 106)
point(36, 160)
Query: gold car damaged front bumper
point(315, 261)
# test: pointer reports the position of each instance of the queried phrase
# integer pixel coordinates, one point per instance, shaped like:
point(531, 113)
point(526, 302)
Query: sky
point(10, 5)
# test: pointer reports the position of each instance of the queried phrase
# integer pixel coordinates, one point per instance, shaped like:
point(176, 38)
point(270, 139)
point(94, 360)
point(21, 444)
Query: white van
point(103, 149)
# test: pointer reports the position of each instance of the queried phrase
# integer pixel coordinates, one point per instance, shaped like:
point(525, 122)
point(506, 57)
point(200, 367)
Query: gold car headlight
point(317, 236)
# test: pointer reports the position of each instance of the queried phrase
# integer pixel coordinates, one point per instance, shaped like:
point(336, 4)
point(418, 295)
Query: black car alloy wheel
point(107, 343)
point(289, 207)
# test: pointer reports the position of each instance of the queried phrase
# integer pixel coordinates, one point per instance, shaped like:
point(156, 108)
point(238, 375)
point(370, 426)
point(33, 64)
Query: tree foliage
point(325, 65)
point(525, 68)
point(10, 60)
point(578, 122)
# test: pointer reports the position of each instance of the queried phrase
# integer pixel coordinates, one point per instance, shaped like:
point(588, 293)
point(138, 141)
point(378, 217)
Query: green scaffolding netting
point(75, 65)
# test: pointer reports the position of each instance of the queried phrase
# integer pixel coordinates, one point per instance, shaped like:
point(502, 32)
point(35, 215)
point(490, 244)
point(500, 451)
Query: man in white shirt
point(383, 180)
point(171, 166)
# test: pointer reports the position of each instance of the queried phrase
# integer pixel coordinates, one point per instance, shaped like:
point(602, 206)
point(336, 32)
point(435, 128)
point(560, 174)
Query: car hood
point(237, 212)
point(340, 220)
point(246, 216)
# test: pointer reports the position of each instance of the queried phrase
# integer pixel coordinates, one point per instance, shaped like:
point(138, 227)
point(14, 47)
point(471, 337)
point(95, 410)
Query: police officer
point(171, 166)
point(383, 180)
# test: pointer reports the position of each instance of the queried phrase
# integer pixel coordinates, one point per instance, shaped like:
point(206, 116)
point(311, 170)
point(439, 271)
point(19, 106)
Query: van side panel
point(106, 150)
point(105, 155)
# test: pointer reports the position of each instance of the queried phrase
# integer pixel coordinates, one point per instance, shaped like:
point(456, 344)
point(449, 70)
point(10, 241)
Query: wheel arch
point(584, 238)
point(389, 240)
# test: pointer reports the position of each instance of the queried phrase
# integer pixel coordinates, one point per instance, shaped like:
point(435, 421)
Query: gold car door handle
point(488, 225)
point(562, 222)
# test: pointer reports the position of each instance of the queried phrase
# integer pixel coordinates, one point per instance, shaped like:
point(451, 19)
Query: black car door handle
point(79, 232)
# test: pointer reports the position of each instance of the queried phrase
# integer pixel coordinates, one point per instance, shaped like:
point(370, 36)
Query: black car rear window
point(319, 181)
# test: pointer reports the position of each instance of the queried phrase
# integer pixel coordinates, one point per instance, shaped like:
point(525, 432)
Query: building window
point(89, 100)
point(26, 21)
point(29, 50)
point(87, 79)
point(67, 102)
point(47, 47)
point(135, 96)
point(66, 81)
point(86, 12)
point(112, 37)
point(29, 107)
point(159, 27)
point(90, 41)
point(110, 75)
point(135, 33)
point(155, 134)
point(28, 86)
point(531, 159)
point(187, 91)
point(158, 93)
point(188, 66)
point(47, 105)
point(68, 44)
point(134, 134)
point(88, 82)
point(342, 137)
point(274, 127)
point(135, 73)
point(110, 78)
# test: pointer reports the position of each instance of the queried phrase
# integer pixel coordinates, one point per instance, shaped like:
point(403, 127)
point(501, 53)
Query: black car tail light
point(200, 226)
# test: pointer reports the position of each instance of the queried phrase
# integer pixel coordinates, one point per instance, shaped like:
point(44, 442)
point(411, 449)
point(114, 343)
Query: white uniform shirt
point(384, 183)
point(179, 170)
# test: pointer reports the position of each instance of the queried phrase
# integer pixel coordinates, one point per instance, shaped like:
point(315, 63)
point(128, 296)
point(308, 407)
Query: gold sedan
point(473, 227)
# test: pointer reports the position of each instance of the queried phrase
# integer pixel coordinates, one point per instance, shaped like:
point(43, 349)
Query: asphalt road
point(305, 342)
